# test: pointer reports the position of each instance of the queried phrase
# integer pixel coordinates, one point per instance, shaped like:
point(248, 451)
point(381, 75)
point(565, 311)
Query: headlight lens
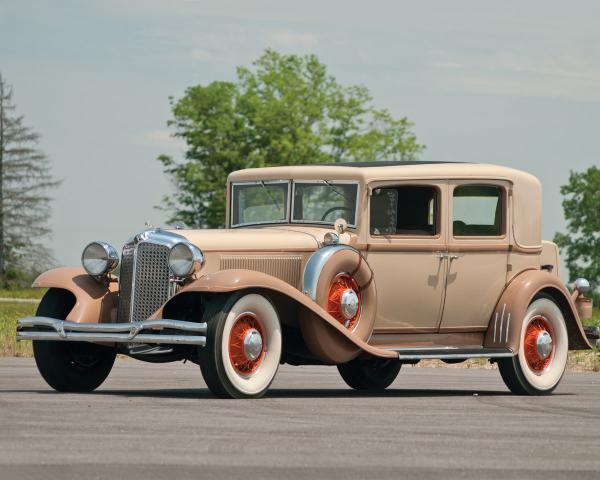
point(185, 259)
point(331, 238)
point(99, 258)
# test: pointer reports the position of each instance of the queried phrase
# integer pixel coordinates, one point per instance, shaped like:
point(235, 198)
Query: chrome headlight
point(99, 258)
point(185, 259)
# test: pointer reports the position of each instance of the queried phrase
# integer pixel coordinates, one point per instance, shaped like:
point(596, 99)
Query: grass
point(22, 293)
point(9, 312)
point(595, 320)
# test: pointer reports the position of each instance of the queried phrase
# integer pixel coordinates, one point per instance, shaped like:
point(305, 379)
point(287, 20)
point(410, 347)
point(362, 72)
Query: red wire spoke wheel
point(243, 345)
point(543, 350)
point(538, 344)
point(343, 301)
point(246, 344)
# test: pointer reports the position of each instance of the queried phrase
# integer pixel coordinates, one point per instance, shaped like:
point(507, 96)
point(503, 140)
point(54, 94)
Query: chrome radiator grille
point(144, 283)
point(125, 283)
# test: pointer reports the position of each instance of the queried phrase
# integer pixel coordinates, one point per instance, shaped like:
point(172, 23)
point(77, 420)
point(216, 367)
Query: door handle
point(451, 256)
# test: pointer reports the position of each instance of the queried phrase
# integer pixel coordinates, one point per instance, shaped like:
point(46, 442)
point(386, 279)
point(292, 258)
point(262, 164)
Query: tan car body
point(416, 297)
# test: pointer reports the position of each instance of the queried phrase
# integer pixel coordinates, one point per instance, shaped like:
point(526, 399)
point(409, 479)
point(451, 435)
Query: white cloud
point(163, 139)
point(531, 72)
point(289, 39)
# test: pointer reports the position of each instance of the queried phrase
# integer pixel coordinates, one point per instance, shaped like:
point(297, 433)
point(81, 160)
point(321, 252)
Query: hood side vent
point(285, 267)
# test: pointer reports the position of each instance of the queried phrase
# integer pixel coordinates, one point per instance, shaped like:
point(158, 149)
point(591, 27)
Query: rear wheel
point(243, 346)
point(370, 374)
point(544, 344)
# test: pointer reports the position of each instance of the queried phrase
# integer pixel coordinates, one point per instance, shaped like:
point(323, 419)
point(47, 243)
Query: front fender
point(504, 329)
point(95, 301)
point(233, 280)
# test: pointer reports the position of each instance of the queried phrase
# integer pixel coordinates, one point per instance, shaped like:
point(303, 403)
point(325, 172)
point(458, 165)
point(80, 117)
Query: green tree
point(25, 179)
point(286, 110)
point(581, 243)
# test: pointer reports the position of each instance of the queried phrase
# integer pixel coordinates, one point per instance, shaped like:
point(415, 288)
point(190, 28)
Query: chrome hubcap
point(349, 303)
point(253, 344)
point(544, 344)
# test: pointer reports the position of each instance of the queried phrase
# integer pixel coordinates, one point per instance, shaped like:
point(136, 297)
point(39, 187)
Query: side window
point(406, 210)
point(477, 211)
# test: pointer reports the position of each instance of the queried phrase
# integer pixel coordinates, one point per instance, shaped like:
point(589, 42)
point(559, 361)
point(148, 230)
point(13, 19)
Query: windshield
point(321, 201)
point(260, 202)
point(324, 202)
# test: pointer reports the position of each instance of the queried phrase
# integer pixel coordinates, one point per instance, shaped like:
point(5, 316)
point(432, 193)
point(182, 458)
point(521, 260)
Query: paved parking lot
point(160, 421)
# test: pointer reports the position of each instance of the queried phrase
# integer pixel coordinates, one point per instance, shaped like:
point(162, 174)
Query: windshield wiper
point(341, 194)
point(273, 199)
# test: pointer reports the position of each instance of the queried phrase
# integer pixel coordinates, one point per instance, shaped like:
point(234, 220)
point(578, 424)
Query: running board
point(450, 353)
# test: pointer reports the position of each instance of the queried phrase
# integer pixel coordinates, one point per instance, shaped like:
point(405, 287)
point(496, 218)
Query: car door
point(477, 253)
point(405, 238)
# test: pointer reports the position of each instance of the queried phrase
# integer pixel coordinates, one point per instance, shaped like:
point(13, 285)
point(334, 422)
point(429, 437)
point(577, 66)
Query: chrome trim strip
point(111, 327)
point(110, 332)
point(502, 320)
point(433, 349)
point(507, 325)
point(157, 235)
point(495, 326)
point(455, 356)
point(134, 274)
point(114, 338)
point(418, 353)
point(314, 266)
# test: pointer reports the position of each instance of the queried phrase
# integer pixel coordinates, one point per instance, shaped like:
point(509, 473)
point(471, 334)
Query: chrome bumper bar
point(131, 332)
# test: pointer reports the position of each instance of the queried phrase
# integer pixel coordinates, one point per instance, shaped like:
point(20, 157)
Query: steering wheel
point(333, 209)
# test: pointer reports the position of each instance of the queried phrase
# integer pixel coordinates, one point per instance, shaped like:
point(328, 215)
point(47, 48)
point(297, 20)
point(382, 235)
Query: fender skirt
point(232, 280)
point(505, 326)
point(94, 300)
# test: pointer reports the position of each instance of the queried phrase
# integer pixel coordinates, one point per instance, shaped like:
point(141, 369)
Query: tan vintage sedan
point(363, 266)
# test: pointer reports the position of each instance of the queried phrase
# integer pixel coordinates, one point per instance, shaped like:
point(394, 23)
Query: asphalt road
point(160, 421)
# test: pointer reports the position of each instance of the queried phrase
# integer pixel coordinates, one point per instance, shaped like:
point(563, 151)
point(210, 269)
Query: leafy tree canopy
point(286, 110)
point(581, 243)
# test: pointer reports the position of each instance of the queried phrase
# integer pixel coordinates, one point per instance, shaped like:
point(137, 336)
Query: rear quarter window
point(477, 211)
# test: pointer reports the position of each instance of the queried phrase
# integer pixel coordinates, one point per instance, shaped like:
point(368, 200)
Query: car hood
point(252, 239)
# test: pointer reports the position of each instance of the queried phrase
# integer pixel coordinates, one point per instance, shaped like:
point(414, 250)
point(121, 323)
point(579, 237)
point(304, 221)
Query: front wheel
point(370, 374)
point(544, 344)
point(243, 346)
point(73, 366)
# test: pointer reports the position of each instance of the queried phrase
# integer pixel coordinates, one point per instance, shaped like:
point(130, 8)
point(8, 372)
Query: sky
point(511, 83)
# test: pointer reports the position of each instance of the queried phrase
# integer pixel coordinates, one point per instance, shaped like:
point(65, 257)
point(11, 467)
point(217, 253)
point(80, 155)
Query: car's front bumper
point(144, 332)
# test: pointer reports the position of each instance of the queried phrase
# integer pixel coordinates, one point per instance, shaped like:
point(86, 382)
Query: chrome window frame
point(333, 182)
point(258, 182)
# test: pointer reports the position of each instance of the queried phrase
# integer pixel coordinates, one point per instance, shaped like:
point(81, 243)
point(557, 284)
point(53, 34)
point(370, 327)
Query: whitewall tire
point(543, 349)
point(243, 346)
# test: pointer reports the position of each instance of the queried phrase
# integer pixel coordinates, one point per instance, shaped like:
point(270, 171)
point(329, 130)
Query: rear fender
point(505, 326)
point(234, 280)
point(94, 301)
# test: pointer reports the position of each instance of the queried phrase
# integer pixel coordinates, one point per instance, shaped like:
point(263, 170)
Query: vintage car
point(366, 266)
